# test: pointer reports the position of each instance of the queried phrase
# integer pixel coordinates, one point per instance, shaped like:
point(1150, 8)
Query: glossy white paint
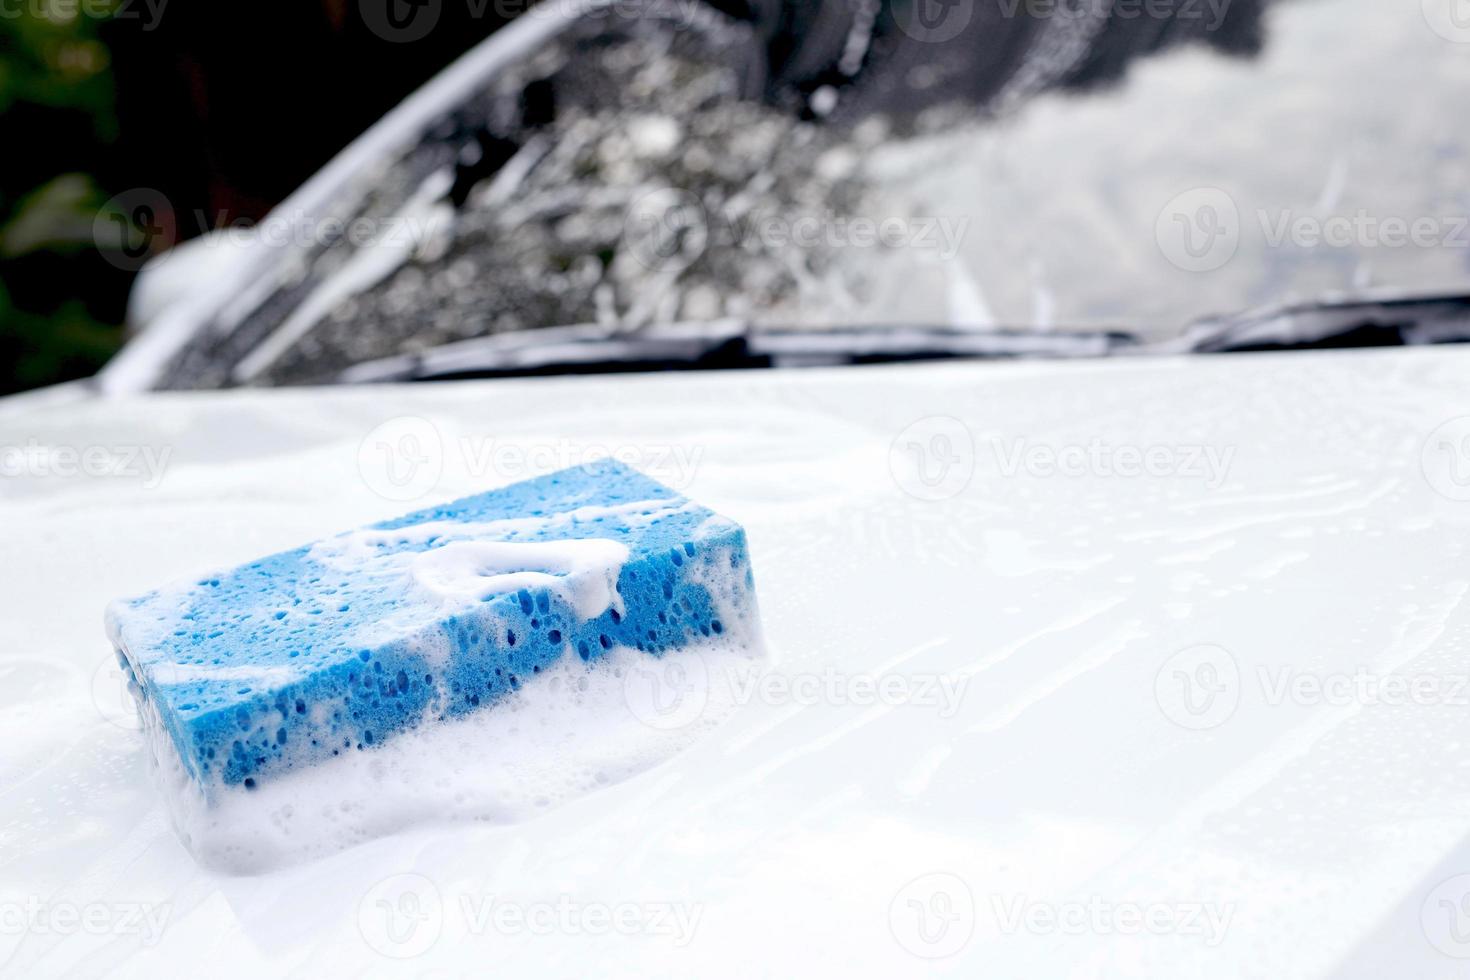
point(1148, 667)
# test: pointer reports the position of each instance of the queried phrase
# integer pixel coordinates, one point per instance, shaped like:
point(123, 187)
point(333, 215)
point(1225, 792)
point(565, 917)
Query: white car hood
point(1136, 778)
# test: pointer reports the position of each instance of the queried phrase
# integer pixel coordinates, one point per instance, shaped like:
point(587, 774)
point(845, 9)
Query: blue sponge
point(338, 646)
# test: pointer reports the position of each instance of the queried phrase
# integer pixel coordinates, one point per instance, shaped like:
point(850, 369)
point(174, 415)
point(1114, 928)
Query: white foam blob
point(569, 730)
point(468, 561)
point(584, 572)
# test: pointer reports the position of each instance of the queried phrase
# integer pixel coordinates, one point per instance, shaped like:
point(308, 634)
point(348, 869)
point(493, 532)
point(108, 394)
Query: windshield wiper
point(1390, 321)
point(735, 344)
point(723, 344)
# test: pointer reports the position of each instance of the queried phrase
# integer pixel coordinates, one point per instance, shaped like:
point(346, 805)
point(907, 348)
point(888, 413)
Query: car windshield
point(1309, 152)
point(1123, 166)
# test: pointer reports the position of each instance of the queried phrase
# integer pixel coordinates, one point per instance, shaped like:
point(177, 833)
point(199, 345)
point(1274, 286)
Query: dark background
point(223, 109)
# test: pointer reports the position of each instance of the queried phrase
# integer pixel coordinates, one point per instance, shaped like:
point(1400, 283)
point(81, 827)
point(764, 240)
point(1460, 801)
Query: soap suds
point(471, 561)
point(345, 552)
point(584, 572)
point(261, 674)
point(568, 731)
point(582, 712)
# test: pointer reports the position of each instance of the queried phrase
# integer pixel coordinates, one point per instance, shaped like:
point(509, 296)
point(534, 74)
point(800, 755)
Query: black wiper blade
point(1386, 321)
point(736, 344)
point(724, 344)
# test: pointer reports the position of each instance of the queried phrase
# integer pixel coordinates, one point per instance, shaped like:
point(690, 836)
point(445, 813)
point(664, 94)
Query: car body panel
point(1127, 746)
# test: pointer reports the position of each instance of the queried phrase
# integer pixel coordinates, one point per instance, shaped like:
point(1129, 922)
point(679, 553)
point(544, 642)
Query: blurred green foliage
point(61, 302)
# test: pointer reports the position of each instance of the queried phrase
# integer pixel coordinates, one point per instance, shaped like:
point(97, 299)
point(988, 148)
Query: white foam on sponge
point(349, 550)
point(583, 571)
point(568, 731)
point(460, 562)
